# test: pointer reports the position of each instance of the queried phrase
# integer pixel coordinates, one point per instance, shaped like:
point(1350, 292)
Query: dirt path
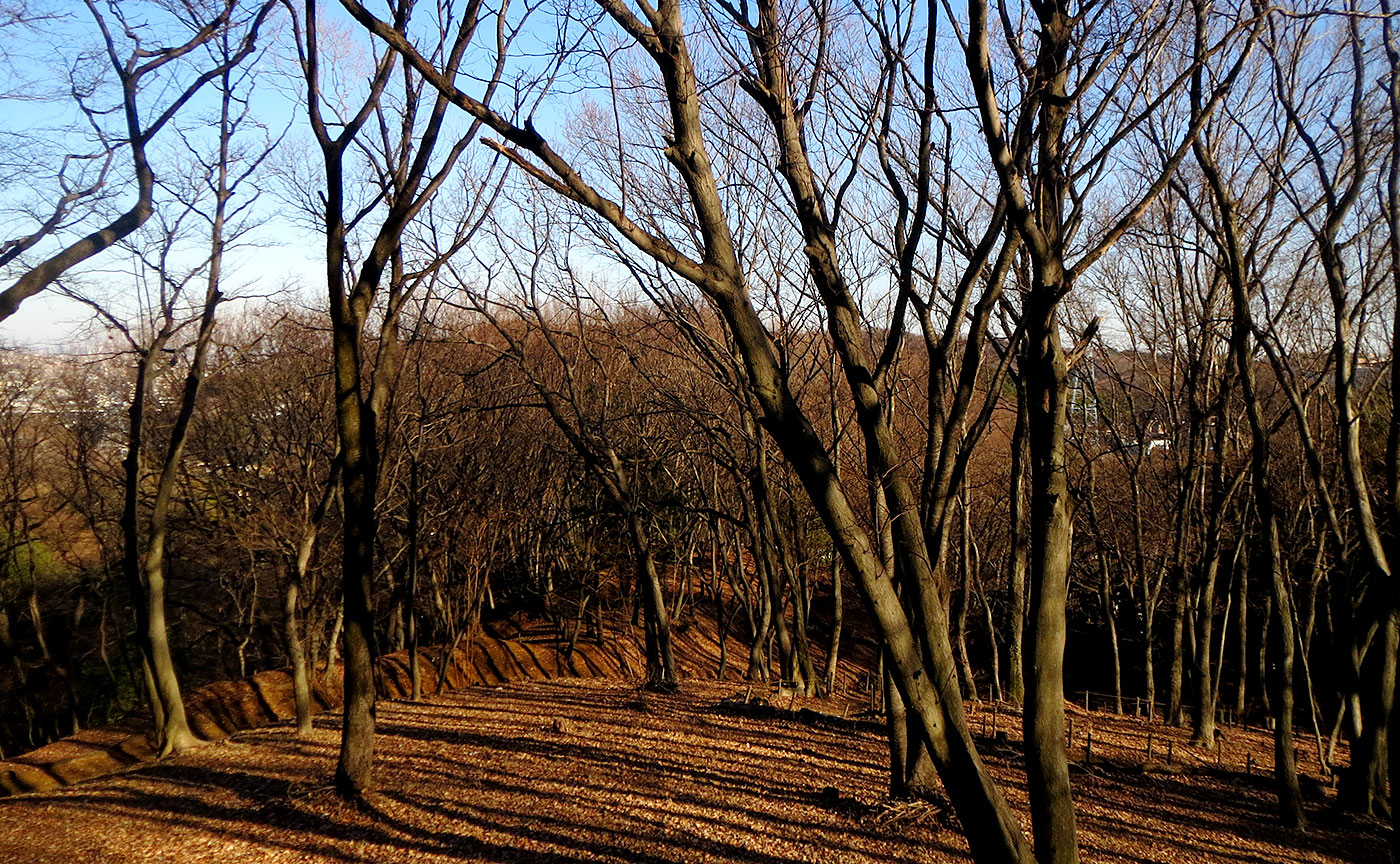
point(594, 770)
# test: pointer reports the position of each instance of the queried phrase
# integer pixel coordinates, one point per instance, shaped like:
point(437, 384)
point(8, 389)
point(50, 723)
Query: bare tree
point(410, 173)
point(139, 67)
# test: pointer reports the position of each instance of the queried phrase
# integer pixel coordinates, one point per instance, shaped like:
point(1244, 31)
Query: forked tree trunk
point(661, 660)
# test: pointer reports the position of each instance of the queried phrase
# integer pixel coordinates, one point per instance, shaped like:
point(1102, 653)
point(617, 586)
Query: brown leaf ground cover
point(598, 771)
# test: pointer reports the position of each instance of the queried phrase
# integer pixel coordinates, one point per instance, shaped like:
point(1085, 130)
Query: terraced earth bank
point(596, 770)
point(523, 751)
point(503, 652)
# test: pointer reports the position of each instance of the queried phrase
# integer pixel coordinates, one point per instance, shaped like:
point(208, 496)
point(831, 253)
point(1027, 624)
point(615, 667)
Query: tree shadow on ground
point(566, 772)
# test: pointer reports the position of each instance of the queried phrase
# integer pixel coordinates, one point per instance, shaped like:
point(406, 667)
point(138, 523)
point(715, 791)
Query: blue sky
point(34, 104)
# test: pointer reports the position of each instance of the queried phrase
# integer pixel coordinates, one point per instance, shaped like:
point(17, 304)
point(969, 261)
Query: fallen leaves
point(596, 771)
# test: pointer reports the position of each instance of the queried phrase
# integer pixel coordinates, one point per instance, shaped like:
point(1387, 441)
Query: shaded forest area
point(1014, 353)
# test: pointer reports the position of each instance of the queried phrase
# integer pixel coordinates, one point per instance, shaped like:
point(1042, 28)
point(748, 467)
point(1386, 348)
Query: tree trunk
point(147, 583)
point(1046, 373)
point(1242, 569)
point(963, 596)
point(333, 644)
point(301, 688)
point(358, 469)
point(1020, 550)
point(1174, 673)
point(411, 588)
point(993, 654)
point(1204, 732)
point(1111, 625)
point(833, 652)
point(1364, 785)
point(1182, 588)
point(1285, 765)
point(789, 670)
point(896, 731)
point(661, 661)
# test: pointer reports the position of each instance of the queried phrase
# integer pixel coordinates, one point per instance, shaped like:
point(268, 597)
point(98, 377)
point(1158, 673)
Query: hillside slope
point(595, 770)
point(506, 651)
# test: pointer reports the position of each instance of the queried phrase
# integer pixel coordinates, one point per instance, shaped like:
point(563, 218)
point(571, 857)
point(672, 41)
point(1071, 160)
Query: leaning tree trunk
point(1267, 557)
point(147, 581)
point(661, 660)
point(896, 732)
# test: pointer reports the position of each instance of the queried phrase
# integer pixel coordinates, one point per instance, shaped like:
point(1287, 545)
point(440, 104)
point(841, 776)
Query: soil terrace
point(596, 770)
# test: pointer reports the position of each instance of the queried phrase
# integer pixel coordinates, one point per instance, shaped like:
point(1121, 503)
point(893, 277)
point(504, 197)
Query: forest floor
point(595, 770)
